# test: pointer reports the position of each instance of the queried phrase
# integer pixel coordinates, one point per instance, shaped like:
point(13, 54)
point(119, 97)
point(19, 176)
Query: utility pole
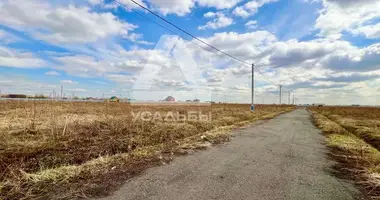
point(253, 89)
point(293, 100)
point(61, 91)
point(289, 98)
point(280, 93)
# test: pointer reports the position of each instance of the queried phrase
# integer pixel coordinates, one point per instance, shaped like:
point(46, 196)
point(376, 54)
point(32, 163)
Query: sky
point(320, 51)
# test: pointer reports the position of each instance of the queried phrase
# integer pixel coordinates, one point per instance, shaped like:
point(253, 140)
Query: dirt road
point(281, 159)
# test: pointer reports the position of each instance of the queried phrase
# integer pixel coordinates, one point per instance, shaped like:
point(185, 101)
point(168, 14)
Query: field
point(64, 150)
point(353, 135)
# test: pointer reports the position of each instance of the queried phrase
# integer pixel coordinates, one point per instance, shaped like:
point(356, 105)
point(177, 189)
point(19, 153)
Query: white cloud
point(62, 24)
point(370, 31)
point(209, 15)
point(219, 4)
point(181, 7)
point(219, 21)
point(251, 24)
point(137, 38)
point(83, 65)
point(250, 8)
point(362, 60)
point(77, 90)
point(300, 66)
point(128, 4)
point(245, 45)
point(352, 3)
point(338, 16)
point(68, 82)
point(292, 52)
point(177, 7)
point(121, 78)
point(52, 73)
point(18, 59)
point(21, 85)
point(121, 61)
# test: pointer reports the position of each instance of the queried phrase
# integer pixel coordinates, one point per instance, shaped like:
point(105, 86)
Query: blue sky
point(323, 51)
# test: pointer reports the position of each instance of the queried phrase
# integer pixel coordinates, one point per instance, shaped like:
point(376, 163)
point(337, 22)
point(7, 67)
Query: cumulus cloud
point(19, 59)
point(69, 24)
point(370, 31)
point(219, 4)
point(182, 7)
point(348, 78)
point(121, 78)
point(122, 61)
point(18, 84)
point(170, 84)
point(137, 38)
point(179, 8)
point(219, 21)
point(245, 46)
point(292, 52)
point(251, 24)
point(127, 4)
point(351, 3)
point(367, 59)
point(68, 82)
point(83, 65)
point(76, 90)
point(315, 85)
point(250, 8)
point(341, 15)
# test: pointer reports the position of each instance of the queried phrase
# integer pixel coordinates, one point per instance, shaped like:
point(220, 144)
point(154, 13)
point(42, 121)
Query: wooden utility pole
point(253, 89)
point(280, 93)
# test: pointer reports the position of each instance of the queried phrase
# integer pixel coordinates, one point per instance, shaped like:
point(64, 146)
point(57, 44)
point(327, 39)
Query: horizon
point(324, 51)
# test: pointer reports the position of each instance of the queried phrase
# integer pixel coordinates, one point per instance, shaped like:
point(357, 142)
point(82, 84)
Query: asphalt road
point(281, 159)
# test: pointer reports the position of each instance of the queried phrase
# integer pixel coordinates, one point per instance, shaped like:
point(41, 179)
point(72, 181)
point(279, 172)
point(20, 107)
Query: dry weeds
point(353, 137)
point(65, 150)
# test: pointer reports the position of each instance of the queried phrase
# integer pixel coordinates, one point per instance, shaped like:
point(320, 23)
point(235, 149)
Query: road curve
point(281, 159)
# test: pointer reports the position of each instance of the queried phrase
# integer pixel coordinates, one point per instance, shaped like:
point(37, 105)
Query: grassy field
point(64, 150)
point(353, 135)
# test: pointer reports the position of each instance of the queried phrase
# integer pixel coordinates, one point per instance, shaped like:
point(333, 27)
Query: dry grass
point(64, 150)
point(354, 143)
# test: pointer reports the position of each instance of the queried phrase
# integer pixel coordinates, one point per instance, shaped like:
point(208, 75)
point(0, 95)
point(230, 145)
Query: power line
point(192, 36)
point(187, 33)
point(191, 41)
point(162, 26)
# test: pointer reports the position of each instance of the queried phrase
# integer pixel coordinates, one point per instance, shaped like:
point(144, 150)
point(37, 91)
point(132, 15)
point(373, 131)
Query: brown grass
point(64, 150)
point(354, 141)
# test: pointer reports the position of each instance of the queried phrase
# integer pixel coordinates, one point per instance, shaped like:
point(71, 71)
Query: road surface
point(281, 159)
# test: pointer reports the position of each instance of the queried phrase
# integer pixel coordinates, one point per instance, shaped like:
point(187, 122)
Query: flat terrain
point(284, 158)
point(69, 150)
point(353, 137)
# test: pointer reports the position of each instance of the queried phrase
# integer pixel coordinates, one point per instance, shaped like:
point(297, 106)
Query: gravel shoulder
point(284, 158)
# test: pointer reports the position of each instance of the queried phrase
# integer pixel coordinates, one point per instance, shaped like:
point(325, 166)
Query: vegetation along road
point(284, 158)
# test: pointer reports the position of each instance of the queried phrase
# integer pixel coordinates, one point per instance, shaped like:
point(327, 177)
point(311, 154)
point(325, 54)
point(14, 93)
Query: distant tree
point(20, 96)
point(39, 96)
